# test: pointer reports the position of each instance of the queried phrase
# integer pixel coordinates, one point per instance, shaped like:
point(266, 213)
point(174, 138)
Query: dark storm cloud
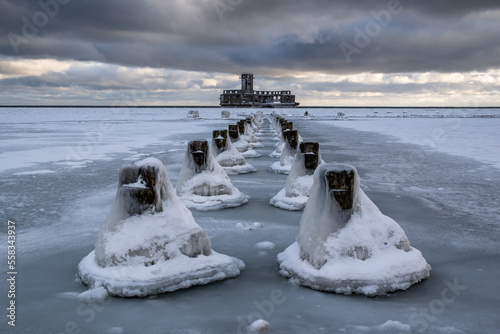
point(265, 36)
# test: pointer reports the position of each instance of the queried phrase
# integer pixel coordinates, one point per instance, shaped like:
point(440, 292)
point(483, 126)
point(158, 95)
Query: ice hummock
point(203, 184)
point(228, 156)
point(349, 249)
point(195, 114)
point(150, 242)
point(300, 180)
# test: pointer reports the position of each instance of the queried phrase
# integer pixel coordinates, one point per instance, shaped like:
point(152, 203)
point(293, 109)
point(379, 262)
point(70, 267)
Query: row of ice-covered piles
point(298, 159)
point(345, 244)
point(203, 182)
point(150, 242)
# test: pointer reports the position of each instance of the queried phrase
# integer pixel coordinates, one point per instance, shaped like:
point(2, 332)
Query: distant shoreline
point(219, 107)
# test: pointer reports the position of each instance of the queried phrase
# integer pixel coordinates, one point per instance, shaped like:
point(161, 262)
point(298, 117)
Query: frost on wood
point(346, 245)
point(203, 184)
point(150, 242)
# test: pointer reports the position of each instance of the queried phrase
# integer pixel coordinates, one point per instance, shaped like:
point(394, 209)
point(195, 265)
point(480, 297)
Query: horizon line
point(237, 108)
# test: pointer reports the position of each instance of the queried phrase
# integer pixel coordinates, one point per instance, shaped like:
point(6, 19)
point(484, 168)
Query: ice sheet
point(468, 137)
point(456, 230)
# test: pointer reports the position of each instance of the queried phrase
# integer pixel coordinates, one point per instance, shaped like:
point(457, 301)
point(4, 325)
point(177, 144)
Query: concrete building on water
point(248, 97)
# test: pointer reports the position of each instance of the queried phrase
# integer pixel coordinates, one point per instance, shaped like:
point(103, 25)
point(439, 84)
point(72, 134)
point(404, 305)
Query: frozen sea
point(435, 171)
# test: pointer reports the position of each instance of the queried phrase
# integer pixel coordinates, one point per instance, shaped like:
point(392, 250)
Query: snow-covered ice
point(346, 245)
point(446, 204)
point(150, 242)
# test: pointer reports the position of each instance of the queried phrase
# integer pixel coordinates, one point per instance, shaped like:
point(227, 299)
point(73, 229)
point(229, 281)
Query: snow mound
point(203, 184)
point(346, 245)
point(258, 326)
point(294, 203)
point(265, 245)
point(251, 153)
point(277, 152)
point(231, 160)
point(150, 242)
point(193, 114)
point(96, 295)
point(300, 180)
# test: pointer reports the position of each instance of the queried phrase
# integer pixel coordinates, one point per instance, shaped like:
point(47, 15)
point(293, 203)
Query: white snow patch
point(252, 227)
point(95, 295)
point(388, 326)
point(265, 245)
point(36, 172)
point(259, 326)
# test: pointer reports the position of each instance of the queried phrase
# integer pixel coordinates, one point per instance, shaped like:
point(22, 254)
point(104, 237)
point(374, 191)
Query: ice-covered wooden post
point(137, 186)
point(285, 125)
point(241, 127)
point(233, 132)
point(311, 156)
point(341, 185)
point(199, 150)
point(220, 138)
point(346, 245)
point(292, 137)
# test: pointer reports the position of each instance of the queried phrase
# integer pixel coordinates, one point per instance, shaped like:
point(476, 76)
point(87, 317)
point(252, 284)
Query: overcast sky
point(184, 52)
